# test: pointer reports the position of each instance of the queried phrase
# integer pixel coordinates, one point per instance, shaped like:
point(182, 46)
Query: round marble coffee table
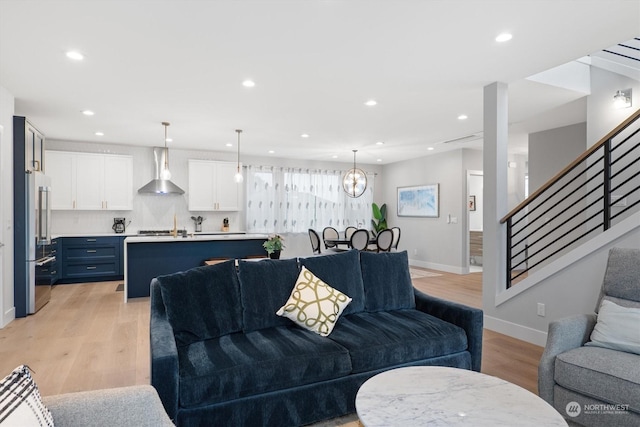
point(438, 396)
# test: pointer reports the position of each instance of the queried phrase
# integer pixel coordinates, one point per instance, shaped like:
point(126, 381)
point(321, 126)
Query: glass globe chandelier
point(354, 182)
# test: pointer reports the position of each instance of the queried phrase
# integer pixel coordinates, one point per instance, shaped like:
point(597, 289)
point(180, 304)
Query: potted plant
point(380, 214)
point(274, 245)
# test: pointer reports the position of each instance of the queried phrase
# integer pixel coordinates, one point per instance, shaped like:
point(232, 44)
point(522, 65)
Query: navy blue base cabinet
point(91, 259)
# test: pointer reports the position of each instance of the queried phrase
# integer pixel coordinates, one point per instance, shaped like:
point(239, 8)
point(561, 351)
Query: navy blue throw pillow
point(342, 272)
point(202, 303)
point(387, 281)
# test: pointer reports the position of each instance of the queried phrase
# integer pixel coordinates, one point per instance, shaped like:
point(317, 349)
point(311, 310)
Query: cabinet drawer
point(90, 252)
point(90, 241)
point(91, 269)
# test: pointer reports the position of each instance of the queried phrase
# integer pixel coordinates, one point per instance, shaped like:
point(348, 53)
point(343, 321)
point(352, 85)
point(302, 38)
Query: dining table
point(343, 240)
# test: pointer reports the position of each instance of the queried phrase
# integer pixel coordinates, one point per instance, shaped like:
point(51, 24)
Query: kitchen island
point(146, 257)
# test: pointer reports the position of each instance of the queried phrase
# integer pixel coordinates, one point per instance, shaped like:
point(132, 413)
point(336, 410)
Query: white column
point(495, 193)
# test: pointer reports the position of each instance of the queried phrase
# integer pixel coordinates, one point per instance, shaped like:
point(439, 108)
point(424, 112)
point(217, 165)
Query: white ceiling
point(315, 63)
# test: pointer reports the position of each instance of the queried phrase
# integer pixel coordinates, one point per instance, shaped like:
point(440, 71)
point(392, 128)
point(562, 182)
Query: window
point(292, 200)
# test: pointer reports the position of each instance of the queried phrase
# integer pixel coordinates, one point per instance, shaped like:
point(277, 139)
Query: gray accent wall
point(552, 150)
point(433, 242)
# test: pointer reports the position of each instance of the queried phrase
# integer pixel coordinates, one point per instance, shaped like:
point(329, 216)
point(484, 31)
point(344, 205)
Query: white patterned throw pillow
point(313, 304)
point(20, 403)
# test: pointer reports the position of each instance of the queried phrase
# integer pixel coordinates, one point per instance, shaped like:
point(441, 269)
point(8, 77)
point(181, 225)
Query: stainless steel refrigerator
point(38, 249)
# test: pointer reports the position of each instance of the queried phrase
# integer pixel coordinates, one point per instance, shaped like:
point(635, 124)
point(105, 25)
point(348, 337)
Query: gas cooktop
point(158, 232)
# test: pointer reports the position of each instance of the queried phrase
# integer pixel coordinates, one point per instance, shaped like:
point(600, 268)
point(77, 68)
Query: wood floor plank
point(87, 338)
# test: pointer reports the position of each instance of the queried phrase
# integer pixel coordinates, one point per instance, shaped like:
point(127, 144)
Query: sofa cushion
point(604, 374)
point(342, 272)
point(238, 365)
point(202, 303)
point(264, 286)
point(313, 304)
point(387, 282)
point(388, 338)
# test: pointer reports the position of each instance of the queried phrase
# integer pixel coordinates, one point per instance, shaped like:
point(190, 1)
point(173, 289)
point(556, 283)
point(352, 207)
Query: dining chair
point(396, 238)
point(384, 240)
point(329, 233)
point(315, 241)
point(360, 239)
point(349, 231)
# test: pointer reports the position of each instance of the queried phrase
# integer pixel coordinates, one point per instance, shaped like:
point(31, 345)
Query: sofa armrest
point(564, 334)
point(125, 406)
point(164, 353)
point(468, 318)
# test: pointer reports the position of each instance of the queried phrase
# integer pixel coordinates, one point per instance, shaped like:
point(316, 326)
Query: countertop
point(135, 234)
point(193, 237)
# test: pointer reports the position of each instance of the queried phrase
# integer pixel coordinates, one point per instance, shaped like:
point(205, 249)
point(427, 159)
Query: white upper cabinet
point(86, 181)
point(212, 187)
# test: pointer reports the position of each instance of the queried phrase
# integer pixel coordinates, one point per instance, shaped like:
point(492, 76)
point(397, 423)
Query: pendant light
point(354, 182)
point(166, 173)
point(238, 176)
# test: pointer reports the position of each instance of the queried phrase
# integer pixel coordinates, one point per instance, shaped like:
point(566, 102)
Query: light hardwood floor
point(86, 338)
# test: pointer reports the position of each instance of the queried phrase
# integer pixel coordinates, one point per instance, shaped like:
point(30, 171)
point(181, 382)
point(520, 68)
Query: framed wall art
point(420, 201)
point(472, 203)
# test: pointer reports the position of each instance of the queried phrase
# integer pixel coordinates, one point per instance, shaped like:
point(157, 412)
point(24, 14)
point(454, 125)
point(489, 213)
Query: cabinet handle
point(74, 204)
point(106, 204)
point(91, 251)
point(91, 240)
point(91, 268)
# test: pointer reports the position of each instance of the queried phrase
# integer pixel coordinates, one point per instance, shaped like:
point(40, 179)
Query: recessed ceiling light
point(99, 133)
point(248, 83)
point(430, 148)
point(378, 160)
point(271, 151)
point(380, 143)
point(504, 37)
point(304, 135)
point(88, 113)
point(334, 156)
point(75, 55)
point(228, 144)
point(462, 117)
point(169, 140)
point(371, 103)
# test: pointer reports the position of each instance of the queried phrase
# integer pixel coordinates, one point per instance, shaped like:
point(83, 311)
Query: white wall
point(601, 116)
point(432, 242)
point(6, 207)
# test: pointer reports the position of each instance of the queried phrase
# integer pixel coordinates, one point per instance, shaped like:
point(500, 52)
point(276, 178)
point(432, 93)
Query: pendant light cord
point(239, 131)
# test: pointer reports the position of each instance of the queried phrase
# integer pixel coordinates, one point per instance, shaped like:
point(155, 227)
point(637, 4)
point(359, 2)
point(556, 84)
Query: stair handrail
point(622, 126)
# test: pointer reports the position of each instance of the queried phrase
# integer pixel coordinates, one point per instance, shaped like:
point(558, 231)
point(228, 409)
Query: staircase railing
point(596, 191)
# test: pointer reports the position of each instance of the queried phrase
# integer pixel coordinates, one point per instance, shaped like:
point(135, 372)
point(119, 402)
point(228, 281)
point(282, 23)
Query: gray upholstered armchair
point(592, 385)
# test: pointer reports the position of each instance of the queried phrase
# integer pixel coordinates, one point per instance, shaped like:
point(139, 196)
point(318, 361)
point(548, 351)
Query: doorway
point(475, 185)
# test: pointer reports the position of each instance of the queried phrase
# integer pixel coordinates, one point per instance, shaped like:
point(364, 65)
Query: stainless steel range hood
point(159, 185)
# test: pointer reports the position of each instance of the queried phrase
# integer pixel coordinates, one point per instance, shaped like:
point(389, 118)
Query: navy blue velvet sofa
point(221, 356)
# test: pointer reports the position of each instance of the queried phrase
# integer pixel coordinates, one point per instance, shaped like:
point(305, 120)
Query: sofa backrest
point(265, 286)
point(203, 302)
point(387, 281)
point(341, 271)
point(621, 283)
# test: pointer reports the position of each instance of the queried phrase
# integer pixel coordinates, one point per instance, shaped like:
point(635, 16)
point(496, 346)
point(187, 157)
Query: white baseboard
point(8, 317)
point(441, 267)
point(514, 330)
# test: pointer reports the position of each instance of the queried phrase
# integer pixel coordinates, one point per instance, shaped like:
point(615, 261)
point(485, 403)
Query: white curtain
point(292, 200)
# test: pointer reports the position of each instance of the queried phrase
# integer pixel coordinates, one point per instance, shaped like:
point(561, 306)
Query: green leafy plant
point(273, 244)
point(380, 216)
